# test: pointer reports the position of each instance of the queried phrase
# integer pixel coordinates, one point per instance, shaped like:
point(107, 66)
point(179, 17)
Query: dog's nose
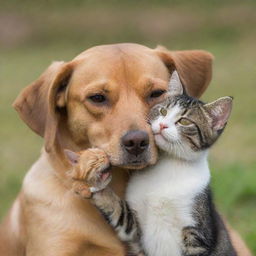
point(135, 142)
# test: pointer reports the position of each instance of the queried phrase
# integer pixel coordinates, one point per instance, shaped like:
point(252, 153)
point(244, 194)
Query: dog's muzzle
point(135, 142)
point(135, 145)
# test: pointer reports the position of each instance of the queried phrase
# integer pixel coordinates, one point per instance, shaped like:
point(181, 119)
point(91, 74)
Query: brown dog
point(99, 99)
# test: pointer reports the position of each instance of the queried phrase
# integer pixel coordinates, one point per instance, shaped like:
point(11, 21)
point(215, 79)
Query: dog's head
point(102, 98)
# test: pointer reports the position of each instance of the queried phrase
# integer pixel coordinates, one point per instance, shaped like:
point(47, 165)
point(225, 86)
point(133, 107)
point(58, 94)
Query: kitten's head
point(184, 126)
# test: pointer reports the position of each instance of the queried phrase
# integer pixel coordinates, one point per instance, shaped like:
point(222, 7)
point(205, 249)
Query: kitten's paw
point(193, 242)
point(81, 189)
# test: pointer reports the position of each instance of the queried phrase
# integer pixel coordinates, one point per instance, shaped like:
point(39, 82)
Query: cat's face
point(183, 126)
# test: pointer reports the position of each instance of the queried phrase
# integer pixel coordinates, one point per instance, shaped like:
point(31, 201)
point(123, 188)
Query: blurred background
point(34, 33)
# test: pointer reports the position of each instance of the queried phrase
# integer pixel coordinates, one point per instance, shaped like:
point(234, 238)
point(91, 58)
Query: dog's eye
point(98, 98)
point(157, 93)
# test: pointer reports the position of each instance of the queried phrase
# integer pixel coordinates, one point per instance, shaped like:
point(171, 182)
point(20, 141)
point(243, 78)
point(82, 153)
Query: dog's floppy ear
point(37, 104)
point(194, 68)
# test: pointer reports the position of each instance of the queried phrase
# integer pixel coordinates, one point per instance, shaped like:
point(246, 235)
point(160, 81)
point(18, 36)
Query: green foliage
point(34, 33)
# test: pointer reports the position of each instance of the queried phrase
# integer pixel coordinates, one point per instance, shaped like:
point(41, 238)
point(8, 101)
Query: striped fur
point(121, 217)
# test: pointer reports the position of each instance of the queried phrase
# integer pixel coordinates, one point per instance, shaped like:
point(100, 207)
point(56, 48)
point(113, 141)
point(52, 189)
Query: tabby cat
point(170, 211)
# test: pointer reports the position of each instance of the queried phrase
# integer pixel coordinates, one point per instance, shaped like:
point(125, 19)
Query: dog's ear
point(194, 68)
point(38, 103)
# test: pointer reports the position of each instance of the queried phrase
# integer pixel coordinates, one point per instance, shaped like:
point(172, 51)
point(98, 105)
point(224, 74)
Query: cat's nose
point(163, 126)
point(135, 142)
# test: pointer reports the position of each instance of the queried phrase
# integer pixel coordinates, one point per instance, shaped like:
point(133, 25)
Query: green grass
point(34, 34)
point(235, 194)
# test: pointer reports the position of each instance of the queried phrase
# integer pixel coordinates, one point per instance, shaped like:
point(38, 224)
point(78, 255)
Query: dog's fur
point(47, 218)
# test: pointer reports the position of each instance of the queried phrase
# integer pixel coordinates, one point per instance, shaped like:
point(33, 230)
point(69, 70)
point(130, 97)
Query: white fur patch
point(94, 189)
point(163, 197)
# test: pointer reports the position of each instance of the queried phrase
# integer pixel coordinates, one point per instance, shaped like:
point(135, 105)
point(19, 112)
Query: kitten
point(172, 200)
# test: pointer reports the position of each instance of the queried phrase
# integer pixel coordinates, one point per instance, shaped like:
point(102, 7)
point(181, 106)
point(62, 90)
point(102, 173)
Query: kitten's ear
point(175, 85)
point(219, 111)
point(72, 156)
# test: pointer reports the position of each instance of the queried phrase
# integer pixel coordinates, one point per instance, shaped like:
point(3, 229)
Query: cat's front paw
point(194, 243)
point(81, 189)
point(90, 171)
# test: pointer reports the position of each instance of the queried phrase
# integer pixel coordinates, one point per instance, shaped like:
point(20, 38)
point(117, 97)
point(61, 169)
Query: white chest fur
point(163, 197)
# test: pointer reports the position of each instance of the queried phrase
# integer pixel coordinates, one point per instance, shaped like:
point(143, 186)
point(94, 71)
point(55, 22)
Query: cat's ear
point(175, 85)
point(72, 156)
point(219, 111)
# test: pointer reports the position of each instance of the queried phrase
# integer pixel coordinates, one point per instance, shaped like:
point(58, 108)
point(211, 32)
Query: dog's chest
point(163, 197)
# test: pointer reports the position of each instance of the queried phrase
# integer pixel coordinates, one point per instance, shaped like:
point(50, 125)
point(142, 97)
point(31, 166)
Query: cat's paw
point(90, 171)
point(193, 242)
point(81, 189)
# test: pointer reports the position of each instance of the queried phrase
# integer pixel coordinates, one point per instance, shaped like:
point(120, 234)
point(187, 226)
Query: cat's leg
point(194, 242)
point(90, 180)
point(121, 217)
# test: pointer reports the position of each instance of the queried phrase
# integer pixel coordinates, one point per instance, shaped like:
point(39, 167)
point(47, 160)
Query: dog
point(99, 99)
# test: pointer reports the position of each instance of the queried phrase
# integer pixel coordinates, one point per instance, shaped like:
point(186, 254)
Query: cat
point(172, 207)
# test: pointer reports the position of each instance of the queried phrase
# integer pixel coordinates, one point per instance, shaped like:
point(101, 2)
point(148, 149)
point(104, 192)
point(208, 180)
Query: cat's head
point(184, 126)
point(91, 167)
